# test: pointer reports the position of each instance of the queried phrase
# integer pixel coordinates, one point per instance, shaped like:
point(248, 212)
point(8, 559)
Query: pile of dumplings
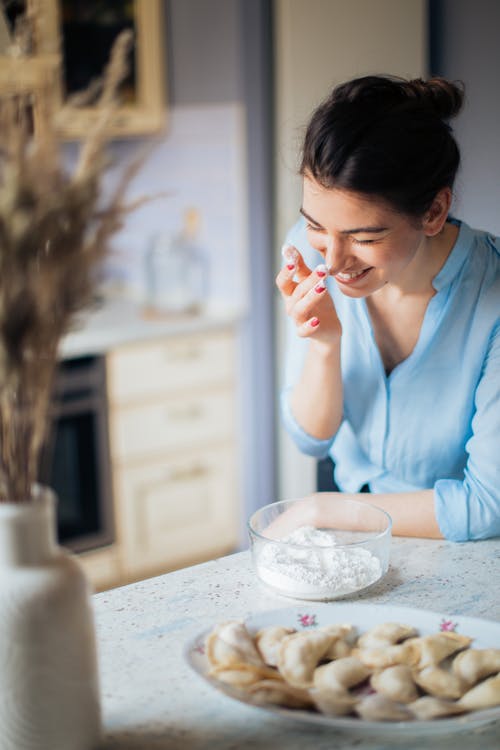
point(389, 673)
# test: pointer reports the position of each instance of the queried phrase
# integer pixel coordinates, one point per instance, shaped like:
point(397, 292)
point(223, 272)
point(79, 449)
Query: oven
point(75, 461)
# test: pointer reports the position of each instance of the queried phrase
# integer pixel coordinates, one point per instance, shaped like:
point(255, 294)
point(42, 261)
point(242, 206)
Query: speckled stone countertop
point(153, 701)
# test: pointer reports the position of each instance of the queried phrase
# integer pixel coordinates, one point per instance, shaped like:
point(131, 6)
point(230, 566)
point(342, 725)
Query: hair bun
point(382, 93)
point(444, 97)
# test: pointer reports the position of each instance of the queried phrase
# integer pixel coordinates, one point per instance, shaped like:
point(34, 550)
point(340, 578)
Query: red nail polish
point(290, 266)
point(319, 288)
point(321, 274)
point(314, 322)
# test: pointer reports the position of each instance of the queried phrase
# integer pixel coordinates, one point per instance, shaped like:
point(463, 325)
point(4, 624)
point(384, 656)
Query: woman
point(394, 362)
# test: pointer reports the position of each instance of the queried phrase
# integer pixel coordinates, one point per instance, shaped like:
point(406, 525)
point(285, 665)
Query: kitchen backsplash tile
point(198, 163)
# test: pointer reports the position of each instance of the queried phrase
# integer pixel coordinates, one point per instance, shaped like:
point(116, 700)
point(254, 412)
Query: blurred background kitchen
point(166, 430)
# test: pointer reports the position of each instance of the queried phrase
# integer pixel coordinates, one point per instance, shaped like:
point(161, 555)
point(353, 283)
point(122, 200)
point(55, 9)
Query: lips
point(350, 277)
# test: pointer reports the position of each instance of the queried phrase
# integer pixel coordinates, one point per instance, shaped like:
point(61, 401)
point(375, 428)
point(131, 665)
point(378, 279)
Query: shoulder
point(481, 272)
point(488, 257)
point(485, 252)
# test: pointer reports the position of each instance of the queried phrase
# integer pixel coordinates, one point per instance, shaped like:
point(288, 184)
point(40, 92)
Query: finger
point(309, 327)
point(318, 277)
point(304, 307)
point(293, 256)
point(301, 513)
point(285, 280)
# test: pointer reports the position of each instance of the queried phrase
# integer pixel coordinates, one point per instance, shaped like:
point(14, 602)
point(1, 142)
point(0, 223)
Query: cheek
point(397, 255)
point(316, 241)
point(380, 258)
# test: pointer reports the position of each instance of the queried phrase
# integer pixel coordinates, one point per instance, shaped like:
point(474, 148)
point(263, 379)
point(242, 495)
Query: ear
point(436, 216)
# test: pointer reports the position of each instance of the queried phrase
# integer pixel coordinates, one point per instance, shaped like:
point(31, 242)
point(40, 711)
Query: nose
point(335, 253)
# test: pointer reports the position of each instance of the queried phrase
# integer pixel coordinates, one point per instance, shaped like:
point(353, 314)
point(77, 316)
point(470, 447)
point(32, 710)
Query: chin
point(363, 290)
point(356, 293)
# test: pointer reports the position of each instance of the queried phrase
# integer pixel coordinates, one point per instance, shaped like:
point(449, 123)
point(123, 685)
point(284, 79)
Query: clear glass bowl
point(320, 549)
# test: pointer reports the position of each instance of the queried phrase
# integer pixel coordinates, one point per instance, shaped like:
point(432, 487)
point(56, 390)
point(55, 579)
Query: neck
point(427, 263)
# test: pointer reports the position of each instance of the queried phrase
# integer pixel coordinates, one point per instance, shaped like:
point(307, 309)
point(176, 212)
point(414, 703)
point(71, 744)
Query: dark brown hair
point(387, 137)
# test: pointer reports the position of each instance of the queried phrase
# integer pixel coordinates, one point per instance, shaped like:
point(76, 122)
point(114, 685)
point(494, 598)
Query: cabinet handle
point(188, 354)
point(186, 414)
point(190, 472)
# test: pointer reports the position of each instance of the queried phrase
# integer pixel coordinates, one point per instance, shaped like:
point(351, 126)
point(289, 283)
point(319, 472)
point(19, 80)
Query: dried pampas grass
point(54, 234)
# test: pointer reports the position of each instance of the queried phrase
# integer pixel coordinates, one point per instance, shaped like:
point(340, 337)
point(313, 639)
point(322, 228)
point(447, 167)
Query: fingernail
point(320, 287)
point(322, 270)
point(291, 266)
point(290, 253)
point(314, 322)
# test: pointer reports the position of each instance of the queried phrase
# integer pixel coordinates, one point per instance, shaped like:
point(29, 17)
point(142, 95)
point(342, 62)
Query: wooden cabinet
point(103, 567)
point(174, 452)
point(177, 510)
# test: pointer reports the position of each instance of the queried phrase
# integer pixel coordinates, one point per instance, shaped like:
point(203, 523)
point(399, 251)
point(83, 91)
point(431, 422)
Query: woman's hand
point(307, 300)
point(316, 398)
point(412, 513)
point(322, 510)
point(303, 512)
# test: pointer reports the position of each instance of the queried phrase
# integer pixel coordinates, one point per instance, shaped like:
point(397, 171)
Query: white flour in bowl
point(318, 569)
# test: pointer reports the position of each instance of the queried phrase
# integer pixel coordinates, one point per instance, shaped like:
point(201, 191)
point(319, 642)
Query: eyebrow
point(354, 230)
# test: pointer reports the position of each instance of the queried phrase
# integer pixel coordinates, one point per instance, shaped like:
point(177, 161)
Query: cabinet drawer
point(143, 371)
point(178, 510)
point(102, 567)
point(171, 424)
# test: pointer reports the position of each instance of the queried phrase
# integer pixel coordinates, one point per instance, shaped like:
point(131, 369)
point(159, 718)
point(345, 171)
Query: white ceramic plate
point(486, 634)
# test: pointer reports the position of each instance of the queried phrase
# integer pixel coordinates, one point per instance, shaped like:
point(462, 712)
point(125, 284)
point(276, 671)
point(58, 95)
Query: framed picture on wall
point(80, 34)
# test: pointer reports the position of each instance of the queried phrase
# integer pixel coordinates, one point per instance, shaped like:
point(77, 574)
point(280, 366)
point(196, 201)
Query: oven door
point(75, 463)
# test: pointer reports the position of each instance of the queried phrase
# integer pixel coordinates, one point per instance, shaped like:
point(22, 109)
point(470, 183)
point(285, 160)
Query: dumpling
point(340, 674)
point(338, 650)
point(440, 682)
point(339, 630)
point(386, 634)
point(432, 649)
point(231, 643)
point(300, 654)
point(388, 656)
point(428, 707)
point(279, 693)
point(476, 664)
point(268, 641)
point(243, 675)
point(484, 695)
point(396, 683)
point(379, 708)
point(333, 702)
point(343, 637)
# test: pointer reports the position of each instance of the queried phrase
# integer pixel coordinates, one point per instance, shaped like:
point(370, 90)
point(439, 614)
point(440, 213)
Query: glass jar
point(177, 270)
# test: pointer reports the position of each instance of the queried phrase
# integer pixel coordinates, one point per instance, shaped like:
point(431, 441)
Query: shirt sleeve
point(306, 443)
point(296, 350)
point(470, 509)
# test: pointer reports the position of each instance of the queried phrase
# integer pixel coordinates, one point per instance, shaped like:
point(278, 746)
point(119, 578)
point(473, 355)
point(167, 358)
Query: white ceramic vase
point(49, 694)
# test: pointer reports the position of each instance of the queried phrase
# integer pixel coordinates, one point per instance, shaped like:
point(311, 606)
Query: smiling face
point(365, 242)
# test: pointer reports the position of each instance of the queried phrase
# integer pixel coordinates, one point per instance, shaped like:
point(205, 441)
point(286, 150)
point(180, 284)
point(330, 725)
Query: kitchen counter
point(153, 701)
point(122, 321)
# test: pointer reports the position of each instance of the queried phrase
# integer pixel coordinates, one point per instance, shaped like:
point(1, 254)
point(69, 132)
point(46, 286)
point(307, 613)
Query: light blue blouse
point(434, 422)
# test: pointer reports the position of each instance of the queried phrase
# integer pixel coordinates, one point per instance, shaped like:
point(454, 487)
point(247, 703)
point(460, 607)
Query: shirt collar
point(457, 256)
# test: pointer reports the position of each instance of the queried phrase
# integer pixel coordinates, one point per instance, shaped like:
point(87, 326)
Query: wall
point(216, 155)
point(204, 53)
point(319, 43)
point(200, 159)
point(465, 47)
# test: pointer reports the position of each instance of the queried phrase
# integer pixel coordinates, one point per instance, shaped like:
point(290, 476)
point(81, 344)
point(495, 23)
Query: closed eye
point(314, 228)
point(364, 242)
